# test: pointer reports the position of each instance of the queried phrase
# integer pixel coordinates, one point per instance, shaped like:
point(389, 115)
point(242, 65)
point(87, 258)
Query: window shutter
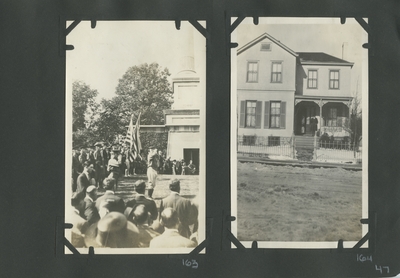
point(283, 114)
point(266, 115)
point(258, 114)
point(242, 113)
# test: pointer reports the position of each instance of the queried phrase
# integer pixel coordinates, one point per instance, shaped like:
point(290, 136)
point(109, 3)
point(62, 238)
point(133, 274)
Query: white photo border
point(202, 130)
point(234, 125)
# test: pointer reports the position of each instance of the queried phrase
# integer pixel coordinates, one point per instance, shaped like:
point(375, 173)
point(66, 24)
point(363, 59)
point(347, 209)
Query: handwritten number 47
point(379, 268)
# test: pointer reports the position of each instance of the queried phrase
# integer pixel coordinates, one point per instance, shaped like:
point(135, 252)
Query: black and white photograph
point(135, 137)
point(299, 125)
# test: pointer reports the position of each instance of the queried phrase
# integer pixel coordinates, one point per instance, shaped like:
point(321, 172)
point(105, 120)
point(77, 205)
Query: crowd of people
point(104, 159)
point(105, 220)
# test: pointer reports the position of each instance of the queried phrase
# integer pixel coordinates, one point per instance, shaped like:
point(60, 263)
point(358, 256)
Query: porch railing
point(262, 146)
point(337, 150)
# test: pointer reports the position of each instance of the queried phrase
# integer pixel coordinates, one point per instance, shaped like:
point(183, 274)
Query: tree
point(110, 123)
point(142, 89)
point(84, 106)
point(356, 119)
point(83, 138)
point(145, 89)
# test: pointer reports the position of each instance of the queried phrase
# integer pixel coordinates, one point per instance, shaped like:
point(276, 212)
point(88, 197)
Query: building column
point(320, 114)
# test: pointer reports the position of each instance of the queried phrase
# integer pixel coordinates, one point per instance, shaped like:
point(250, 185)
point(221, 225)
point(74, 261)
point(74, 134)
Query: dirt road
point(285, 203)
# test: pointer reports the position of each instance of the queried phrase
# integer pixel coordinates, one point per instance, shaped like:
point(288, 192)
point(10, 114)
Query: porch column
point(320, 104)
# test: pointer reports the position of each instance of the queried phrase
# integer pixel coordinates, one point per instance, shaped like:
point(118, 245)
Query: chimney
point(344, 51)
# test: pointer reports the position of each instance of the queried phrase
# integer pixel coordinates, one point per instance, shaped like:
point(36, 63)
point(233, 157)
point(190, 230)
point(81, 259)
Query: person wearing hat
point(79, 224)
point(83, 182)
point(161, 161)
point(113, 165)
point(186, 211)
point(76, 168)
point(140, 217)
point(112, 231)
point(114, 203)
point(191, 168)
point(178, 167)
point(106, 155)
point(171, 238)
point(152, 168)
point(140, 198)
point(90, 212)
point(98, 162)
point(83, 157)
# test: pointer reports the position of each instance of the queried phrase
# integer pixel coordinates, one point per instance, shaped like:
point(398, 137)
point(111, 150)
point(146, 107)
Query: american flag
point(133, 138)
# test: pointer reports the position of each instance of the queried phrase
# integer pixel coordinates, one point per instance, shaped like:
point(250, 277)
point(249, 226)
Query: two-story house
point(282, 92)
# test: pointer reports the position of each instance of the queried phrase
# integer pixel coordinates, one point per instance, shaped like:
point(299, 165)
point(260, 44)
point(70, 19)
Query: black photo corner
point(33, 87)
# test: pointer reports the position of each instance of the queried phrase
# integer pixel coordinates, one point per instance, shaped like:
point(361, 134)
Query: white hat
point(91, 188)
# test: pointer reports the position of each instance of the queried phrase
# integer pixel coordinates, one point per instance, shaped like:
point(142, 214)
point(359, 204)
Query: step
point(304, 139)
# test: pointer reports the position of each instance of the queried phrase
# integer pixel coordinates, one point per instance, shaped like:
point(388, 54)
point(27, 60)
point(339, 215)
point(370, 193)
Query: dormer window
point(266, 46)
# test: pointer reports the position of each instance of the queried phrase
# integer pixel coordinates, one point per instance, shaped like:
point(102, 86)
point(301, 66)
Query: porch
point(322, 115)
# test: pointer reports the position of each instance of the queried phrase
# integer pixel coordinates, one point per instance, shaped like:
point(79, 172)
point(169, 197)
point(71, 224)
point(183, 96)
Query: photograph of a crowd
point(135, 143)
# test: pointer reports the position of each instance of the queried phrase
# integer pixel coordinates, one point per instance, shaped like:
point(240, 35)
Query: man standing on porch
point(314, 125)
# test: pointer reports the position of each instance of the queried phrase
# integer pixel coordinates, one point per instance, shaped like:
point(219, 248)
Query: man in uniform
point(152, 167)
point(113, 166)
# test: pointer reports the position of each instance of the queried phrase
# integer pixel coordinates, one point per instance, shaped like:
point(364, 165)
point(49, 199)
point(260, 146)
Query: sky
point(315, 35)
point(102, 55)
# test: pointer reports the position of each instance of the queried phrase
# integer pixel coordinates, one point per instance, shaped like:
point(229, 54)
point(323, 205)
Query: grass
point(285, 203)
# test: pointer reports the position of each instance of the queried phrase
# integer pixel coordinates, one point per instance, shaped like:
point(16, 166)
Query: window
point(251, 113)
point(333, 79)
point(252, 71)
point(276, 74)
point(266, 46)
point(332, 117)
point(312, 79)
point(275, 114)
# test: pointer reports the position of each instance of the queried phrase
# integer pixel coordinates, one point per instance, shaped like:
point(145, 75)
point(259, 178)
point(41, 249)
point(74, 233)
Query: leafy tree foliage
point(144, 89)
point(109, 123)
point(84, 105)
point(83, 138)
point(159, 140)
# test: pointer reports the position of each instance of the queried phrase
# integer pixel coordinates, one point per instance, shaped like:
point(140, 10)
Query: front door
point(309, 114)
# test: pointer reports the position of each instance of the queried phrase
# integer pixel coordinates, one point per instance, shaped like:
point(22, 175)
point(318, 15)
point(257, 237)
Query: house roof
point(306, 58)
point(262, 37)
point(315, 58)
